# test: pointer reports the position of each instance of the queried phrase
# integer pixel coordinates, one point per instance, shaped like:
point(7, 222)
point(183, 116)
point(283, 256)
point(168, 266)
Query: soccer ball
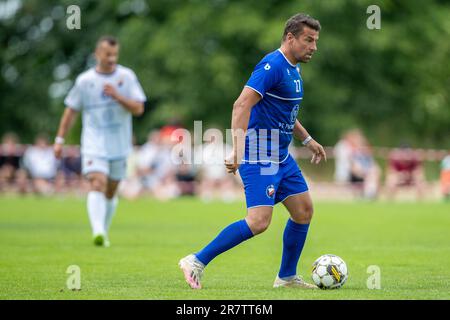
point(329, 272)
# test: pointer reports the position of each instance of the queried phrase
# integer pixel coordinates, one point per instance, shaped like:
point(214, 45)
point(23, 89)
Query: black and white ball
point(329, 272)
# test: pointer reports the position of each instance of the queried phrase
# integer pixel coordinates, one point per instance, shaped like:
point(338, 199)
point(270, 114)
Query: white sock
point(96, 205)
point(111, 205)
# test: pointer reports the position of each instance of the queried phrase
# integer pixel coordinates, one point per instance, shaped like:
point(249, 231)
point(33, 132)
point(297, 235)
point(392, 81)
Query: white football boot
point(296, 282)
point(192, 270)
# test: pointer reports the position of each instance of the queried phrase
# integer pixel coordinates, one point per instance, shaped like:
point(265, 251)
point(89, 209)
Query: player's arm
point(239, 124)
point(316, 149)
point(136, 108)
point(67, 121)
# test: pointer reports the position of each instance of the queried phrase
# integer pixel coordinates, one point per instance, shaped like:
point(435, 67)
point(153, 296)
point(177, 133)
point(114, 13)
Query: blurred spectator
point(215, 182)
point(9, 161)
point(186, 179)
point(22, 184)
point(154, 165)
point(69, 173)
point(168, 160)
point(405, 169)
point(41, 165)
point(148, 169)
point(445, 177)
point(131, 187)
point(363, 168)
point(343, 156)
point(355, 164)
point(156, 173)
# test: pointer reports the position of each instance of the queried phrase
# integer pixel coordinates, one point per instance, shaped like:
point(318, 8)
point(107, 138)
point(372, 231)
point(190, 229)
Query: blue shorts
point(267, 184)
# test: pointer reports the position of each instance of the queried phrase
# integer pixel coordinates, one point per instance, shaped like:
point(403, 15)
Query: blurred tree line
point(193, 58)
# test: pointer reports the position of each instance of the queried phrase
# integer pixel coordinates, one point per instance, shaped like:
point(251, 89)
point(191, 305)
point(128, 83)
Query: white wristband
point(59, 140)
point(308, 139)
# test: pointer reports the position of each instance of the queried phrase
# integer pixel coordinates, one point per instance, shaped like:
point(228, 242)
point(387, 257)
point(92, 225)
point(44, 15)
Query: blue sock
point(231, 236)
point(293, 240)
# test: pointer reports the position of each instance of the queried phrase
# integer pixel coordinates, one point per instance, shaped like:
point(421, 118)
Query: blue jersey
point(272, 119)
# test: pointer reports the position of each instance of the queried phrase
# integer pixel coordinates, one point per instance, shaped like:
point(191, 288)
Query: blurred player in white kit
point(107, 95)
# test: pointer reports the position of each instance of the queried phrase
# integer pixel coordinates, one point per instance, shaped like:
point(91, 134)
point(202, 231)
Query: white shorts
point(113, 169)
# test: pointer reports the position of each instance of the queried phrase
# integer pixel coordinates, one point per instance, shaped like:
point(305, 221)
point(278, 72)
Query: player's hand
point(110, 91)
point(57, 150)
point(317, 150)
point(232, 162)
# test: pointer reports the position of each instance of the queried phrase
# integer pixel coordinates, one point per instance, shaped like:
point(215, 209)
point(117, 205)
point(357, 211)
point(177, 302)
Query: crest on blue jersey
point(270, 191)
point(267, 66)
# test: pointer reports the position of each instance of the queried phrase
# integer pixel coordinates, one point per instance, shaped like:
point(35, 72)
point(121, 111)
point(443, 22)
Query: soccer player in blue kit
point(266, 112)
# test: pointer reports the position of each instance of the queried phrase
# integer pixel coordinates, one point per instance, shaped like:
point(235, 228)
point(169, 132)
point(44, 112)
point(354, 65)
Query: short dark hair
point(109, 39)
point(296, 23)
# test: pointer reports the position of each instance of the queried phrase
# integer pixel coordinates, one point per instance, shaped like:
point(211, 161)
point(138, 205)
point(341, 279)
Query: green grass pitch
point(41, 237)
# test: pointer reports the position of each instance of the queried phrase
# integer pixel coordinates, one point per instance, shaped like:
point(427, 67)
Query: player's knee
point(97, 184)
point(109, 194)
point(258, 225)
point(111, 191)
point(309, 211)
point(305, 214)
